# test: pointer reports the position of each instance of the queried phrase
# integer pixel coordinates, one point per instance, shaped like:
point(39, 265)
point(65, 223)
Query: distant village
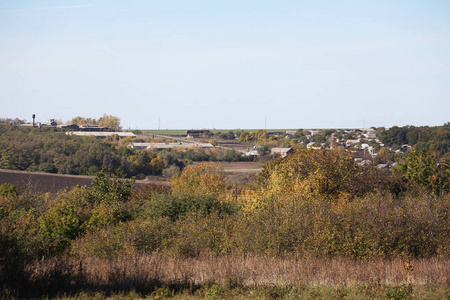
point(363, 143)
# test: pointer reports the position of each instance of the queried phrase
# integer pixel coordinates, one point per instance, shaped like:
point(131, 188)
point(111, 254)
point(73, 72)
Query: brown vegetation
point(255, 269)
point(147, 273)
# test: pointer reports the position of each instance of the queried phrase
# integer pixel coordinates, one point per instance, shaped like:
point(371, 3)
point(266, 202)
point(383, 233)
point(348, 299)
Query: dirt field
point(42, 182)
point(235, 146)
point(241, 167)
point(46, 182)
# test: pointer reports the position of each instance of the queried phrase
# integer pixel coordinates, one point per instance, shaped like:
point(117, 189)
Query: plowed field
point(47, 182)
point(42, 182)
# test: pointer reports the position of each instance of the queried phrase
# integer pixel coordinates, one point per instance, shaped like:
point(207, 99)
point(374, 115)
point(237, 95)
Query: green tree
point(141, 161)
point(109, 189)
point(423, 168)
point(8, 190)
point(59, 225)
point(385, 155)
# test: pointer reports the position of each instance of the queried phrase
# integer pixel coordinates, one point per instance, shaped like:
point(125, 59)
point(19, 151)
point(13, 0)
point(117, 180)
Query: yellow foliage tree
point(157, 165)
point(109, 121)
point(308, 174)
point(200, 179)
point(83, 121)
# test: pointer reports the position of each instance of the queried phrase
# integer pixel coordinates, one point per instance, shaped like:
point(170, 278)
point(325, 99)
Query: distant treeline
point(435, 138)
point(11, 121)
point(51, 150)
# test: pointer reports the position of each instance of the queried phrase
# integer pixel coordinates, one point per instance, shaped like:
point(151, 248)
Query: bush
point(177, 207)
point(171, 171)
point(106, 242)
point(424, 169)
point(8, 190)
point(111, 189)
point(153, 235)
point(59, 225)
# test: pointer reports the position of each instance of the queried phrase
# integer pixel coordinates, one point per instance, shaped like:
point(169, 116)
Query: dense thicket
point(313, 203)
point(435, 138)
point(51, 150)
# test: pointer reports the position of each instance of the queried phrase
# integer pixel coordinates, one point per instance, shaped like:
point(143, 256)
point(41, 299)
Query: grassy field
point(282, 292)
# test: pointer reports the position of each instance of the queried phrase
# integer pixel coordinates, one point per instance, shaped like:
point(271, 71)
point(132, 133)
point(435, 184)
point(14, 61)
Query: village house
point(283, 152)
point(252, 153)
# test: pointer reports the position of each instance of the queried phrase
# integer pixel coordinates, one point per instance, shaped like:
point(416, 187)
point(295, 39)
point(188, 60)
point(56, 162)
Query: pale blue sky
point(227, 64)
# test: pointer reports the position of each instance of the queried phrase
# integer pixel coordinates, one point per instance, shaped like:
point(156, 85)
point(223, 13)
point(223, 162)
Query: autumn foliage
point(200, 179)
point(314, 203)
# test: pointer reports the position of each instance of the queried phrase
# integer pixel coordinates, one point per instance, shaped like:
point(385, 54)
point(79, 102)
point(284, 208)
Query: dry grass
point(249, 270)
point(233, 276)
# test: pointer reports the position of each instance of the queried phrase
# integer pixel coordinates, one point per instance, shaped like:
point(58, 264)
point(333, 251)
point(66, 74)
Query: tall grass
point(147, 273)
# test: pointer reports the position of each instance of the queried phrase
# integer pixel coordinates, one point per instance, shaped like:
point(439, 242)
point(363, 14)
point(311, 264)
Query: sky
point(182, 64)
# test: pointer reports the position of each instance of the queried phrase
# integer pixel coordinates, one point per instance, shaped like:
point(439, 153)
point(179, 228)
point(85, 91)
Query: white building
point(157, 146)
point(101, 134)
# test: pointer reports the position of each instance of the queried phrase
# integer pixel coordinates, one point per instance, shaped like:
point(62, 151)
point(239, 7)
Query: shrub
point(106, 242)
point(59, 225)
point(153, 235)
point(177, 207)
point(171, 171)
point(8, 190)
point(111, 189)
